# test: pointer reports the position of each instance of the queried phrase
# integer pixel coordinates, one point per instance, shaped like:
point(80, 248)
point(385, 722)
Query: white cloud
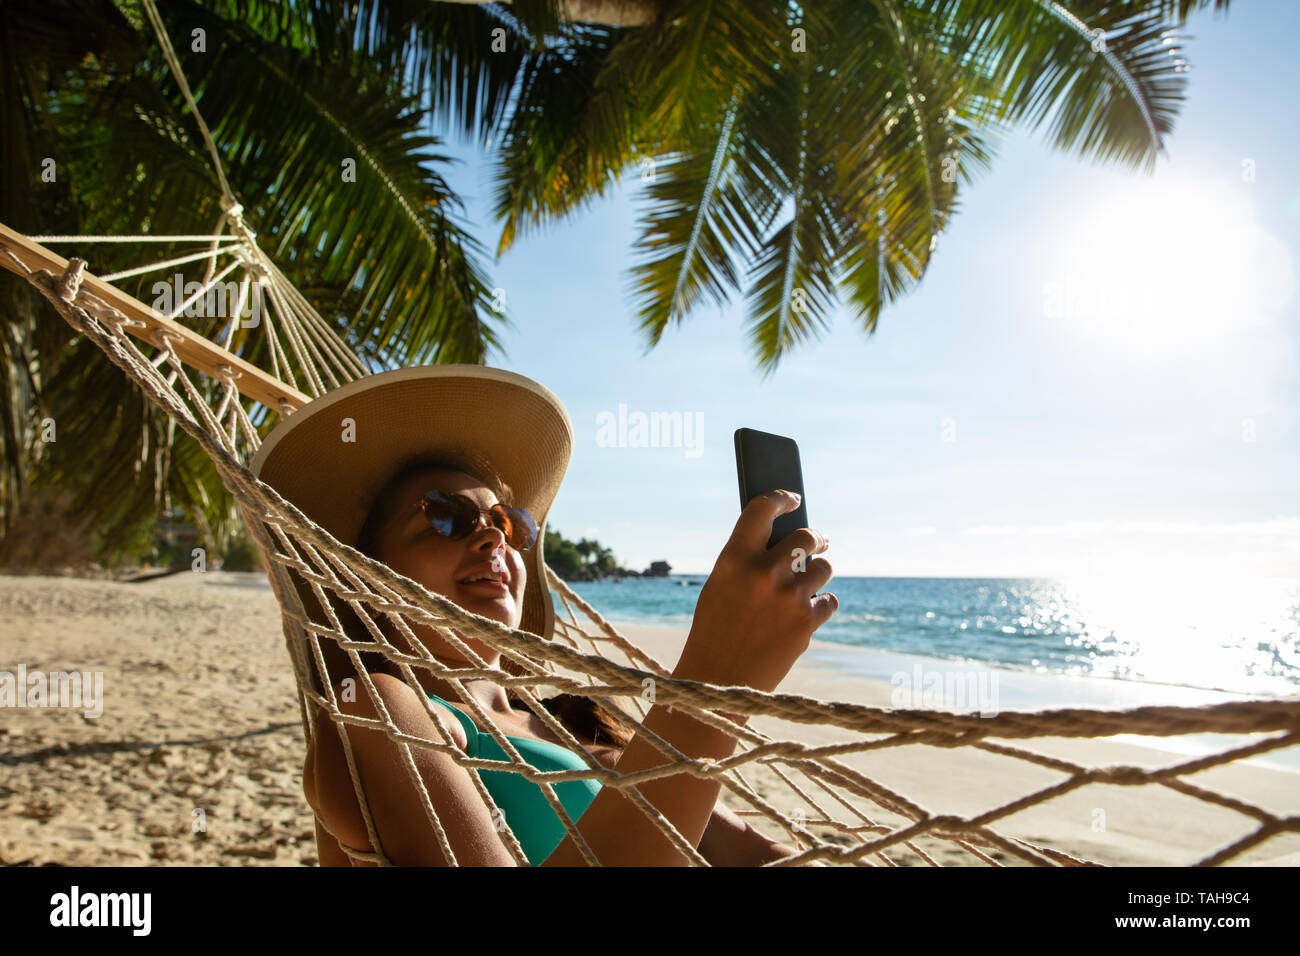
point(1279, 526)
point(1284, 527)
point(1070, 529)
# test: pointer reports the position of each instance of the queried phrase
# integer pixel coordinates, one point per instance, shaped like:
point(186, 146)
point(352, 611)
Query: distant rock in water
point(658, 569)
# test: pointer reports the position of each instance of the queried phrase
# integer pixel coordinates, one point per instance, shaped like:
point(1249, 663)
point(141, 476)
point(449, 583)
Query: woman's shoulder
point(327, 782)
point(354, 699)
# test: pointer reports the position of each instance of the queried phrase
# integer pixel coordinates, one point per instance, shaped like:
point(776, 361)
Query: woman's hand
point(757, 612)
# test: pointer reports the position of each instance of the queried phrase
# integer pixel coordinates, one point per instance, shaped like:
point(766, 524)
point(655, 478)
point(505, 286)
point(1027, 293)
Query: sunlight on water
point(1237, 634)
point(1095, 642)
point(1232, 634)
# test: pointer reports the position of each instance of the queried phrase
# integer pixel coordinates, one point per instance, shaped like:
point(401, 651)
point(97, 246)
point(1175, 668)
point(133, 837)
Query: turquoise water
point(1236, 635)
point(1038, 643)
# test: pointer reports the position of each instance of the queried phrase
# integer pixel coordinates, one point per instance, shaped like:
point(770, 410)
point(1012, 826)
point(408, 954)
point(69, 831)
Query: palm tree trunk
point(610, 13)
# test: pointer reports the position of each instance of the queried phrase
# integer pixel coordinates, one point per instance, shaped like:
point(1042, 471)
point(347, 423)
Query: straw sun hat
point(517, 425)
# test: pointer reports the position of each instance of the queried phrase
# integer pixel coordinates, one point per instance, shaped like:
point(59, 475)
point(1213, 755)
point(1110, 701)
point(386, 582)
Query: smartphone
point(765, 462)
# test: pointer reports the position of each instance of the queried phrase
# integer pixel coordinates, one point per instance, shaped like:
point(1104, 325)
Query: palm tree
point(819, 144)
point(604, 561)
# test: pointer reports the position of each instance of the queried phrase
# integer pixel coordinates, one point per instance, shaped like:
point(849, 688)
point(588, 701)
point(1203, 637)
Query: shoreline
point(878, 664)
point(830, 671)
point(202, 715)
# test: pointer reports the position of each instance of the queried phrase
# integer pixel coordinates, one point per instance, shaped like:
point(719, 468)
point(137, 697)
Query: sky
point(1096, 376)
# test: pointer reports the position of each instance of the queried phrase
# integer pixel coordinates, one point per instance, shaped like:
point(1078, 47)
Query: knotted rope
point(843, 827)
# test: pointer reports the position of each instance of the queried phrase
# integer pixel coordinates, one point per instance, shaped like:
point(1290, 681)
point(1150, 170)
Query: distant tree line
point(584, 559)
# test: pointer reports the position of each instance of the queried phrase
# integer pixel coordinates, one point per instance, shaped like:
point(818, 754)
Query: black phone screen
point(765, 462)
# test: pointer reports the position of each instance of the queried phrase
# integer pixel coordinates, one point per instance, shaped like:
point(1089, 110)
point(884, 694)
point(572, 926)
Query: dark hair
point(581, 715)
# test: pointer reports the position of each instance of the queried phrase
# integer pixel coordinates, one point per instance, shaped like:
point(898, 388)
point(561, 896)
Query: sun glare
point(1169, 270)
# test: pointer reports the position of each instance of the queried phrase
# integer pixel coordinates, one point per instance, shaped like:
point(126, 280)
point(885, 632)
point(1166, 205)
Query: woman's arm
point(752, 620)
point(617, 830)
point(405, 832)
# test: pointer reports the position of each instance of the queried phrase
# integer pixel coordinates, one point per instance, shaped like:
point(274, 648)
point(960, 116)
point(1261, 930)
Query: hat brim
point(332, 456)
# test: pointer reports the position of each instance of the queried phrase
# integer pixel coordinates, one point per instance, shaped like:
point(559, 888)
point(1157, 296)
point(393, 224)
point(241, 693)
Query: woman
point(446, 473)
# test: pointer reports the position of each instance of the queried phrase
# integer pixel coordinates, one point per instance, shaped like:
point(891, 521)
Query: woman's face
point(411, 546)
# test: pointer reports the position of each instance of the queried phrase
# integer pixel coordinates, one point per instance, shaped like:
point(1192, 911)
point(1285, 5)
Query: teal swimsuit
point(526, 809)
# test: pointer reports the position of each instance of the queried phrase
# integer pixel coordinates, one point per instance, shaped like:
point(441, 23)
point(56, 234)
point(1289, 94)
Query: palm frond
point(465, 57)
point(1105, 68)
point(697, 217)
point(897, 180)
point(568, 138)
point(794, 290)
point(394, 230)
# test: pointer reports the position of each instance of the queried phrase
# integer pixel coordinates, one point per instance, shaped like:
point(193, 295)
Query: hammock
point(833, 812)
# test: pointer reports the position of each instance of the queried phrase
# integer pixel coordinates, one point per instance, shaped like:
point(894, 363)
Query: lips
point(501, 582)
point(491, 587)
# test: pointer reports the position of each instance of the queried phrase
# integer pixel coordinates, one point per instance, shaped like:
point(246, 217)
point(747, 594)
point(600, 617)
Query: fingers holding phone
point(767, 464)
point(795, 551)
point(753, 534)
point(796, 556)
point(757, 611)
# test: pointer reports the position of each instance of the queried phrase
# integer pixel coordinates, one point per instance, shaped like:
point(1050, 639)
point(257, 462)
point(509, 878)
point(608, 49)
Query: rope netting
point(824, 799)
point(818, 797)
point(299, 343)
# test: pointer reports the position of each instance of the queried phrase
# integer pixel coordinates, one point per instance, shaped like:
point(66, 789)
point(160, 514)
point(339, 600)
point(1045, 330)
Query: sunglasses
point(457, 516)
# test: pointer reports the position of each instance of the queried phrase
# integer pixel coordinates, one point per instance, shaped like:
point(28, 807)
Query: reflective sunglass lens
point(457, 516)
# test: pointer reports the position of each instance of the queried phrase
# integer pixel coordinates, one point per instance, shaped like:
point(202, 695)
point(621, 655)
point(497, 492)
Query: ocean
point(1237, 635)
point(1103, 643)
point(1109, 643)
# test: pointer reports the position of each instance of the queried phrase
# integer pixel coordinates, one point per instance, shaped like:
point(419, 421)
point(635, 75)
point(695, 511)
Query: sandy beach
point(200, 723)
